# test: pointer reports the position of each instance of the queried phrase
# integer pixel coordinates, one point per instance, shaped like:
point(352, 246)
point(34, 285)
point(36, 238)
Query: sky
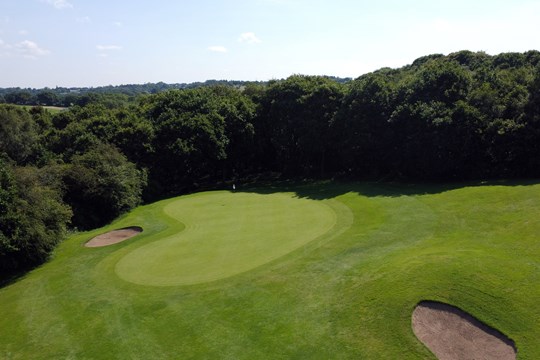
point(87, 43)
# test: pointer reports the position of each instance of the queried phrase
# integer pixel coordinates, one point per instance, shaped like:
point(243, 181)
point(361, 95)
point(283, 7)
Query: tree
point(190, 141)
point(297, 115)
point(18, 134)
point(238, 112)
point(100, 185)
point(438, 80)
point(422, 120)
point(33, 218)
point(132, 134)
point(9, 218)
point(21, 97)
point(47, 98)
point(365, 136)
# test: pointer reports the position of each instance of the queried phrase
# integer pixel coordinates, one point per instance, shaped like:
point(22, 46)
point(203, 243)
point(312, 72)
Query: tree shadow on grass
point(329, 189)
point(11, 277)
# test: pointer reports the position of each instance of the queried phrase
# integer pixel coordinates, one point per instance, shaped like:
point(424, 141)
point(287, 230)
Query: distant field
point(52, 109)
point(319, 271)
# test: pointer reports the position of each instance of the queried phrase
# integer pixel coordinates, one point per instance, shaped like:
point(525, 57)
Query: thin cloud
point(249, 38)
point(218, 49)
point(4, 49)
point(118, 24)
point(84, 20)
point(108, 47)
point(105, 50)
point(59, 4)
point(4, 45)
point(30, 49)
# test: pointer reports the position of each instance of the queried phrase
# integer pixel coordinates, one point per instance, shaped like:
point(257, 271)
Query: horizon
point(166, 83)
point(78, 44)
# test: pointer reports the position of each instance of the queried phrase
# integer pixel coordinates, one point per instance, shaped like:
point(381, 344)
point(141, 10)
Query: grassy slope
point(346, 297)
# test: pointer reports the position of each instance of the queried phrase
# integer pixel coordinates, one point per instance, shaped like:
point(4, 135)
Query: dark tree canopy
point(18, 134)
point(296, 122)
point(100, 185)
point(33, 218)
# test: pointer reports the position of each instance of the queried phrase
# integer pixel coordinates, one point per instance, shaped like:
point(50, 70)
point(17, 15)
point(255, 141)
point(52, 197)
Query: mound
point(451, 334)
point(113, 237)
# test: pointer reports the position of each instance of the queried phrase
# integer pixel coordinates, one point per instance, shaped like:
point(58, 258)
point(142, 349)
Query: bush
point(100, 185)
point(33, 218)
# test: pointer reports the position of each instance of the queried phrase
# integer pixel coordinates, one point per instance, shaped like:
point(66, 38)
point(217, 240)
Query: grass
point(226, 234)
point(51, 109)
point(343, 293)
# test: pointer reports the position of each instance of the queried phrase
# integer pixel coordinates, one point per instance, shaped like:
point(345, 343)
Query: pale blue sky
point(102, 42)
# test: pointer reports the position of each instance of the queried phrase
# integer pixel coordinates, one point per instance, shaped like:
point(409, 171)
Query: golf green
point(226, 234)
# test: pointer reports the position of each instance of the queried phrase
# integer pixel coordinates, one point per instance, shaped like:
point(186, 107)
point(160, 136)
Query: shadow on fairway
point(8, 278)
point(328, 189)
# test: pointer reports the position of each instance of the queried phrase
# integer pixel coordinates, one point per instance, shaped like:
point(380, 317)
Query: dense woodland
point(464, 116)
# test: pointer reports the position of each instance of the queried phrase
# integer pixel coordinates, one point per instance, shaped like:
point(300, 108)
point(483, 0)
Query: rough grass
point(349, 295)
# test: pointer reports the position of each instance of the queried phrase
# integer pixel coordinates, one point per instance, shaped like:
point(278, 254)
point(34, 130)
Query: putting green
point(226, 234)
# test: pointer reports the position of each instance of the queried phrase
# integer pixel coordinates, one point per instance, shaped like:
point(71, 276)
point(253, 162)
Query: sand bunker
point(115, 236)
point(452, 334)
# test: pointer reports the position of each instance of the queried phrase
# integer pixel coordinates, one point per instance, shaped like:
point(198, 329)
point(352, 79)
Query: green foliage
point(100, 185)
point(238, 112)
point(474, 61)
point(33, 218)
point(18, 134)
point(363, 127)
point(42, 118)
point(193, 131)
point(461, 116)
point(296, 117)
point(109, 101)
point(19, 97)
point(438, 80)
point(47, 98)
point(8, 217)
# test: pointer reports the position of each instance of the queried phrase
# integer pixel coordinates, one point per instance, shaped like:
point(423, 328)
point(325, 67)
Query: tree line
point(464, 116)
point(128, 93)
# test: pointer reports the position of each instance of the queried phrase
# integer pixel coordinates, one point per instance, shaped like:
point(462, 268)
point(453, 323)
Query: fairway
point(311, 271)
point(226, 234)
